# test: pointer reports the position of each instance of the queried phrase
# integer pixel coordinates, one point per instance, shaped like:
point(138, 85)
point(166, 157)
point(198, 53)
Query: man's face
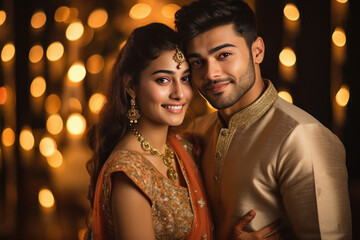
point(222, 66)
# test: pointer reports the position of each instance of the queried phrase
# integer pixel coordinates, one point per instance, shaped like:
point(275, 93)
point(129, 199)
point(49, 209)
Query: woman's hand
point(239, 233)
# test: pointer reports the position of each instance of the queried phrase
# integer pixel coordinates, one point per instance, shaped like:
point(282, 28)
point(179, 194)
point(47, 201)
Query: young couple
point(259, 152)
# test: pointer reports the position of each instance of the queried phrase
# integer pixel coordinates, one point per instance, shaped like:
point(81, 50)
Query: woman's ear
point(258, 50)
point(130, 88)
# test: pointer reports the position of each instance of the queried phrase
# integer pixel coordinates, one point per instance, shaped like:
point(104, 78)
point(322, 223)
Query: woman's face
point(164, 92)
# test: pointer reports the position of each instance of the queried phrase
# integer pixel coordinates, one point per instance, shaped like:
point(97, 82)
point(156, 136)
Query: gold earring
point(133, 114)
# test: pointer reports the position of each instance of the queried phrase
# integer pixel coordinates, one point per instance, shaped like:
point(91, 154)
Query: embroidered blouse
point(170, 204)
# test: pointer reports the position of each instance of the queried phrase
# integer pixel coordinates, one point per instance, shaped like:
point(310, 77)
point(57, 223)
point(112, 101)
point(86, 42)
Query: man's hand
point(239, 233)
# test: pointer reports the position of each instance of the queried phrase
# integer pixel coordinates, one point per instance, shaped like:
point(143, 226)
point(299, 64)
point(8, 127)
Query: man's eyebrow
point(211, 51)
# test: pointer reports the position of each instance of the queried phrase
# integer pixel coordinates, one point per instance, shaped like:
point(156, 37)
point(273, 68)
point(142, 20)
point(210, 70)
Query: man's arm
point(313, 184)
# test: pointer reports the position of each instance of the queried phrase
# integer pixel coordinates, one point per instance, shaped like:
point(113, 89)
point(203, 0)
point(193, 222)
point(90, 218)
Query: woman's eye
point(186, 79)
point(162, 80)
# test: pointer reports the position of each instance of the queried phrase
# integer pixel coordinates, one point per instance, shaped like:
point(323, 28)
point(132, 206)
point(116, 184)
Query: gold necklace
point(168, 158)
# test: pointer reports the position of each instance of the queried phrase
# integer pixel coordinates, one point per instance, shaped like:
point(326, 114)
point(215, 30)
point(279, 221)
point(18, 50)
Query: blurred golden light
point(339, 37)
point(98, 18)
point(342, 1)
point(342, 96)
point(36, 53)
point(3, 95)
point(287, 57)
point(54, 124)
point(46, 198)
point(55, 160)
point(38, 19)
point(75, 104)
point(38, 87)
point(55, 51)
point(8, 137)
point(74, 31)
point(96, 102)
point(52, 104)
point(140, 10)
point(169, 10)
point(210, 107)
point(62, 14)
point(77, 72)
point(2, 17)
point(122, 44)
point(291, 12)
point(286, 96)
point(26, 139)
point(8, 52)
point(47, 146)
point(95, 64)
point(76, 124)
point(81, 233)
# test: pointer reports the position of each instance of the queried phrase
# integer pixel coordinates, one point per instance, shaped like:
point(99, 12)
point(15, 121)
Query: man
point(260, 152)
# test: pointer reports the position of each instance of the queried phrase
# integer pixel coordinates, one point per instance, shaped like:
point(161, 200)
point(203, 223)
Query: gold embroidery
point(202, 203)
point(171, 209)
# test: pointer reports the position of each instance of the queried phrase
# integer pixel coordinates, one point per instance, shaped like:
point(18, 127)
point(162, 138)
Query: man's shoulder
point(202, 123)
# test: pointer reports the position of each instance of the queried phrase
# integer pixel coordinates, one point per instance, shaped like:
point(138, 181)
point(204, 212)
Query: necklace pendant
point(172, 174)
point(145, 145)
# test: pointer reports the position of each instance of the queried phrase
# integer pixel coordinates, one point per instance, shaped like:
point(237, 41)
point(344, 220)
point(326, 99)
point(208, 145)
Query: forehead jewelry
point(178, 57)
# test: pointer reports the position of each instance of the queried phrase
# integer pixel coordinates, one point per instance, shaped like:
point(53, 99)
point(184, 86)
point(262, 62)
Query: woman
point(144, 183)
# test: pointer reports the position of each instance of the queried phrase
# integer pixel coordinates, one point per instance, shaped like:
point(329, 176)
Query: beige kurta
point(277, 159)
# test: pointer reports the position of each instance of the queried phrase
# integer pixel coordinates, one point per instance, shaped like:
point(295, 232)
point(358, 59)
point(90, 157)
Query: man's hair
point(203, 15)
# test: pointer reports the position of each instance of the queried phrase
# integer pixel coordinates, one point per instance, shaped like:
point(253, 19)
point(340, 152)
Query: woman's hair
point(203, 15)
point(143, 45)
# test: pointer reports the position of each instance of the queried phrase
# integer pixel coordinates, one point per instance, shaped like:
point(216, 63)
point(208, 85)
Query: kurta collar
point(256, 109)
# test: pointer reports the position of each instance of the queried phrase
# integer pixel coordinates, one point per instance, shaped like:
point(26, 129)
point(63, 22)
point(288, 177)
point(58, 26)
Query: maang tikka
point(178, 57)
point(133, 114)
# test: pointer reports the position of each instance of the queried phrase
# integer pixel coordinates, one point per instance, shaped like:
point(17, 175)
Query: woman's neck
point(156, 135)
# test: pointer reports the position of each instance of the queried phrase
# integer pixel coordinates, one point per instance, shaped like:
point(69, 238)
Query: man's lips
point(218, 87)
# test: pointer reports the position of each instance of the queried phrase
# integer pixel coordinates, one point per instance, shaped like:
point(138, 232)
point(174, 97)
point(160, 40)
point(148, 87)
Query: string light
point(287, 57)
point(38, 19)
point(52, 104)
point(95, 64)
point(54, 124)
point(291, 12)
point(169, 10)
point(98, 18)
point(2, 17)
point(76, 124)
point(8, 52)
point(286, 96)
point(47, 146)
point(36, 53)
point(55, 51)
point(46, 198)
point(74, 31)
point(96, 102)
point(8, 137)
point(55, 160)
point(339, 37)
point(3, 95)
point(343, 95)
point(62, 14)
point(77, 72)
point(26, 139)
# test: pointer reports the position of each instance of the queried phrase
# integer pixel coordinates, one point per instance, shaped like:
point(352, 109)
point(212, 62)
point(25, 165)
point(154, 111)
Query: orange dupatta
point(202, 225)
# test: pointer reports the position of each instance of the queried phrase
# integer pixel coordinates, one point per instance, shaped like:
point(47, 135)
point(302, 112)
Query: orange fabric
point(202, 218)
point(202, 224)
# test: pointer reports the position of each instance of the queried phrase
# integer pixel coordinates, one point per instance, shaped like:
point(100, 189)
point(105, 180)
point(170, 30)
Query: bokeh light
point(55, 51)
point(26, 139)
point(169, 10)
point(55, 160)
point(54, 124)
point(342, 1)
point(38, 86)
point(77, 72)
point(98, 18)
point(291, 12)
point(140, 11)
point(38, 19)
point(343, 95)
point(2, 17)
point(47, 146)
point(52, 104)
point(3, 95)
point(8, 137)
point(8, 52)
point(76, 124)
point(62, 14)
point(74, 31)
point(287, 57)
point(339, 37)
point(95, 64)
point(36, 53)
point(75, 104)
point(286, 96)
point(46, 198)
point(96, 102)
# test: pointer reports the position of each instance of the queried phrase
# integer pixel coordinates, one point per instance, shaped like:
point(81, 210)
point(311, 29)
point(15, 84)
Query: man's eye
point(196, 63)
point(224, 55)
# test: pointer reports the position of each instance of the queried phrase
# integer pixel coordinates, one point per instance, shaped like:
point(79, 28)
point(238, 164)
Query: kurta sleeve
point(313, 183)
